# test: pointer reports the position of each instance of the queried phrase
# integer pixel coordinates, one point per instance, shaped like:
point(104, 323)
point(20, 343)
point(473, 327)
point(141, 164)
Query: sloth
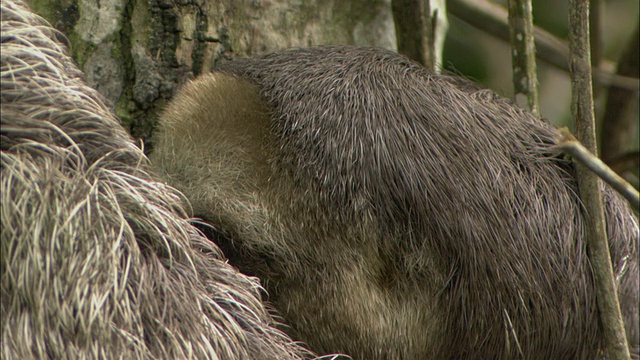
point(98, 260)
point(393, 213)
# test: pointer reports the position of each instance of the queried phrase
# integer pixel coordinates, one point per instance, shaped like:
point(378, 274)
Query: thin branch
point(590, 186)
point(569, 144)
point(523, 53)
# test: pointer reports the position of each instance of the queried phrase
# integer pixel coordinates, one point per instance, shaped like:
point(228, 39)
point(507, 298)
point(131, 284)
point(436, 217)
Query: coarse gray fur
point(394, 213)
point(98, 260)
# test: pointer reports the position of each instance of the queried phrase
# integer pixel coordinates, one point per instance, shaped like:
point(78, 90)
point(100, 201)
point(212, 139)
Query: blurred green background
point(486, 59)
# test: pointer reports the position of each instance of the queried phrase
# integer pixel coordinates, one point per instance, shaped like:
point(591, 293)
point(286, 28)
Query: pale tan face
point(212, 144)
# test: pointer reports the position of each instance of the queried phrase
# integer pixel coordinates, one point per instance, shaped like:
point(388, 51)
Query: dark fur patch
point(414, 215)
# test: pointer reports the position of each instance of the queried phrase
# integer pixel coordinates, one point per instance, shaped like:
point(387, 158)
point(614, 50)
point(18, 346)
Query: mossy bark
point(138, 53)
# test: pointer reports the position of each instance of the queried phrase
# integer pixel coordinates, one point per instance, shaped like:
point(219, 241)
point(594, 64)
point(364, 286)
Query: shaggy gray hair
point(98, 259)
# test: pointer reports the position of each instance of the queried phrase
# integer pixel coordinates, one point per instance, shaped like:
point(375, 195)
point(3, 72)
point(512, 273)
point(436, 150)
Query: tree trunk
point(137, 53)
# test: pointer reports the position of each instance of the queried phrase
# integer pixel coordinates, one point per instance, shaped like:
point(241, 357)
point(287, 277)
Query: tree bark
point(421, 26)
point(137, 53)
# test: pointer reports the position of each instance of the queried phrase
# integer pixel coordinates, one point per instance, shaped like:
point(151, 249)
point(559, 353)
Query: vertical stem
point(589, 185)
point(415, 30)
point(523, 53)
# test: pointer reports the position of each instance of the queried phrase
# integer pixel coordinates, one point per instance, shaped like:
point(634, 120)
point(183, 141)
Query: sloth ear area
point(214, 107)
point(214, 143)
